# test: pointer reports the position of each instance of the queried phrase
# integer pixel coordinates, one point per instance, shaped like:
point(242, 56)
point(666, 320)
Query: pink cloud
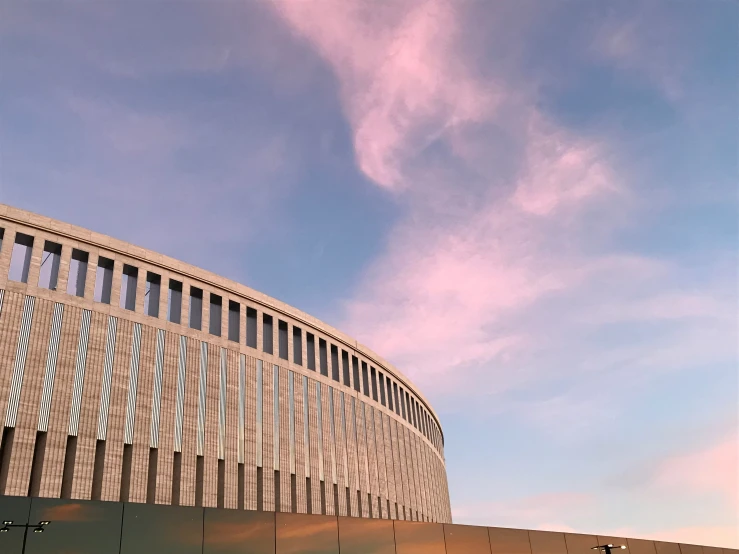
point(401, 83)
point(714, 469)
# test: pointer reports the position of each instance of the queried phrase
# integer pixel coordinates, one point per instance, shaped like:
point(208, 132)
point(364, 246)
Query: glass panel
point(666, 547)
point(234, 320)
point(640, 546)
point(580, 544)
point(174, 301)
point(162, 529)
point(20, 260)
point(151, 295)
point(78, 526)
point(235, 531)
point(345, 367)
point(335, 363)
point(366, 536)
point(129, 280)
point(103, 280)
point(365, 380)
point(509, 541)
point(267, 333)
point(77, 273)
point(282, 339)
point(251, 327)
point(419, 538)
point(466, 539)
point(2, 234)
point(214, 323)
point(545, 542)
point(49, 271)
point(196, 308)
point(15, 509)
point(310, 345)
point(355, 372)
point(323, 357)
point(297, 345)
point(307, 534)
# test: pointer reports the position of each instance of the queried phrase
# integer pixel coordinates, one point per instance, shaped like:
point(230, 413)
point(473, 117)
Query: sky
point(530, 208)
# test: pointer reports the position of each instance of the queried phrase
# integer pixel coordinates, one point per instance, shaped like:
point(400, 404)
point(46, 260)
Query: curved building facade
point(128, 376)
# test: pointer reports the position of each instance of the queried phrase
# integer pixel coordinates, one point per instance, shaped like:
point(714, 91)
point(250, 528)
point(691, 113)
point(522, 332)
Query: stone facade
point(108, 403)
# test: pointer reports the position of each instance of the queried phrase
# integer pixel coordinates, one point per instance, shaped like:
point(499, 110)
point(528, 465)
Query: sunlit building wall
point(132, 377)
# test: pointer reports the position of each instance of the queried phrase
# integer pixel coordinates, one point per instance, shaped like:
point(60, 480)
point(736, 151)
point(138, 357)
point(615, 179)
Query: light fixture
point(4, 530)
point(47, 523)
point(38, 530)
point(9, 522)
point(608, 547)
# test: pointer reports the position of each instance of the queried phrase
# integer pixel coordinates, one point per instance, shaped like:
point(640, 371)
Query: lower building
point(89, 527)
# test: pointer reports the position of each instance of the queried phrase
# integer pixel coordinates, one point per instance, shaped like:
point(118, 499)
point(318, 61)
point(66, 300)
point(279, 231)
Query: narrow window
point(77, 273)
point(267, 333)
point(196, 308)
point(373, 378)
point(152, 294)
point(310, 344)
point(174, 301)
point(276, 418)
point(129, 281)
point(49, 271)
point(291, 418)
point(282, 338)
point(382, 388)
point(20, 261)
point(221, 494)
point(297, 345)
point(365, 379)
point(355, 368)
point(214, 323)
point(103, 280)
point(389, 394)
point(335, 363)
point(234, 320)
point(397, 403)
point(323, 357)
point(251, 327)
point(2, 235)
point(260, 412)
point(402, 403)
point(345, 367)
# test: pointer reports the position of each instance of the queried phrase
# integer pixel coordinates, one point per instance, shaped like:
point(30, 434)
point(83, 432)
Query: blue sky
point(529, 207)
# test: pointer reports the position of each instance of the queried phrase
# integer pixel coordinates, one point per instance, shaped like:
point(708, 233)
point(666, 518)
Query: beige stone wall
point(381, 459)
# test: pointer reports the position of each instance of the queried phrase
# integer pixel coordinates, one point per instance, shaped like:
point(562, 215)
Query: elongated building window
point(50, 260)
point(259, 408)
point(77, 273)
point(319, 412)
point(103, 280)
point(276, 418)
point(291, 421)
point(306, 423)
point(129, 282)
point(20, 260)
point(151, 294)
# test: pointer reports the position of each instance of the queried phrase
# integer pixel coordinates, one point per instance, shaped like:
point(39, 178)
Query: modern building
point(144, 397)
point(129, 376)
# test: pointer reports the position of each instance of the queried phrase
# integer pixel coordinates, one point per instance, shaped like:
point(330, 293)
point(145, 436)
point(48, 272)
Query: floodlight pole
point(38, 528)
